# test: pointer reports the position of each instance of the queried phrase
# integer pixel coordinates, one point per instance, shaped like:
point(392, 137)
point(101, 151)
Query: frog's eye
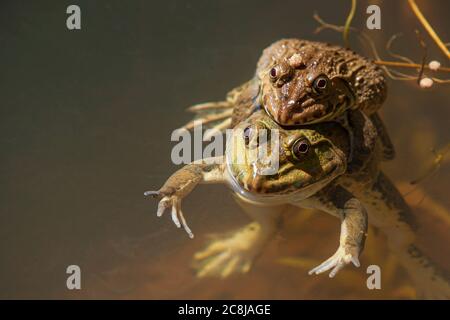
point(300, 148)
point(280, 74)
point(273, 73)
point(320, 83)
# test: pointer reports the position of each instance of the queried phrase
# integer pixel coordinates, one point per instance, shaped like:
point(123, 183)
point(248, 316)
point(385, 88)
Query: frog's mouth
point(310, 112)
point(306, 111)
point(307, 107)
point(239, 188)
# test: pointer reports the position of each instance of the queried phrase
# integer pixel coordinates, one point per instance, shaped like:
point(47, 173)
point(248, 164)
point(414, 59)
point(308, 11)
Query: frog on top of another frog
point(301, 82)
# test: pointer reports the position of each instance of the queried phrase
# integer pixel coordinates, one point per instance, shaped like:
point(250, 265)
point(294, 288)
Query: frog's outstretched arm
point(338, 202)
point(182, 182)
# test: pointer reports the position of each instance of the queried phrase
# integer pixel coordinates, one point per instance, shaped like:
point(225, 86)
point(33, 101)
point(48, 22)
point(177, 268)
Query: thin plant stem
point(407, 65)
point(348, 22)
point(428, 27)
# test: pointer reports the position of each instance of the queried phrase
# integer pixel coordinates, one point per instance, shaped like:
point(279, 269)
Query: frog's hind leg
point(209, 120)
point(389, 212)
point(210, 106)
point(236, 251)
point(216, 115)
point(222, 115)
point(388, 149)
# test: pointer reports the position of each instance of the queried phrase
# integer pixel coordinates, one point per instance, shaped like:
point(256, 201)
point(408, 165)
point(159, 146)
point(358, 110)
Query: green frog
point(313, 171)
point(302, 82)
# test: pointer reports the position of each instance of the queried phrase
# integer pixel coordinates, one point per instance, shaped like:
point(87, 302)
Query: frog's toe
point(238, 264)
point(339, 260)
point(230, 267)
point(163, 205)
point(214, 248)
point(324, 266)
point(209, 105)
point(214, 266)
point(208, 119)
point(219, 259)
point(177, 214)
point(223, 265)
point(231, 253)
point(154, 194)
point(214, 261)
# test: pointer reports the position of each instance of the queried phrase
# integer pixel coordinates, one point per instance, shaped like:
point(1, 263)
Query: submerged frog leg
point(207, 119)
point(389, 212)
point(209, 106)
point(344, 122)
point(217, 129)
point(236, 251)
point(388, 149)
point(338, 202)
point(182, 182)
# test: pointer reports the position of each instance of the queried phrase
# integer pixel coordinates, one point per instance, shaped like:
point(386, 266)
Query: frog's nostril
point(247, 135)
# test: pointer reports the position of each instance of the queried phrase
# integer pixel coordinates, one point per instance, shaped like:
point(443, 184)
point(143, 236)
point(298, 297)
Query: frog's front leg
point(338, 202)
point(236, 251)
point(182, 182)
point(353, 233)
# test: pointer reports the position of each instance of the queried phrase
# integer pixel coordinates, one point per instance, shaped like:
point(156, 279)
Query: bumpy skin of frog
point(304, 82)
point(319, 178)
point(308, 82)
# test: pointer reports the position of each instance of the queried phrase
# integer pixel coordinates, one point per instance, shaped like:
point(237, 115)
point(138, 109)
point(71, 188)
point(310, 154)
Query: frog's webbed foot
point(174, 202)
point(339, 260)
point(230, 254)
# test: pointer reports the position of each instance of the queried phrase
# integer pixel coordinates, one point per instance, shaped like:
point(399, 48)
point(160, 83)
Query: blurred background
point(85, 125)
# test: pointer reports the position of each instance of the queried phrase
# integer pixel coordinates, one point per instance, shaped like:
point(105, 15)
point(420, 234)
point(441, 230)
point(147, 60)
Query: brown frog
point(308, 82)
point(302, 82)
